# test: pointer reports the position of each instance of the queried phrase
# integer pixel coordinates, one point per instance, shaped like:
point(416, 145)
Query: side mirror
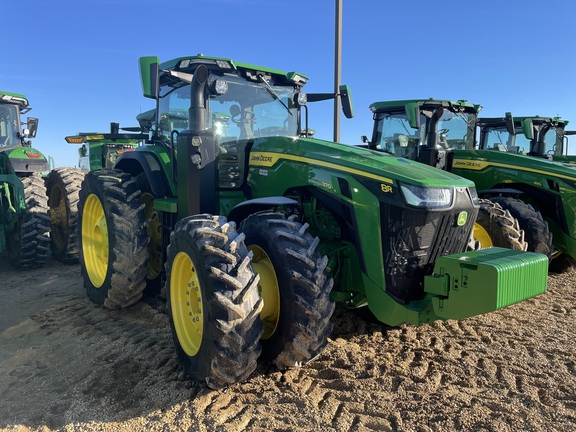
point(413, 114)
point(32, 126)
point(346, 99)
point(510, 124)
point(528, 128)
point(149, 74)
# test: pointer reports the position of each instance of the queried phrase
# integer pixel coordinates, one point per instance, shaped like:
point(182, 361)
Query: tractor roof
point(497, 121)
point(13, 98)
point(226, 65)
point(388, 105)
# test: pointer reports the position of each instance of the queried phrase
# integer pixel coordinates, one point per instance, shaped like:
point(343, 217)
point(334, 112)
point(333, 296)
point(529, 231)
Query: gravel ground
point(67, 364)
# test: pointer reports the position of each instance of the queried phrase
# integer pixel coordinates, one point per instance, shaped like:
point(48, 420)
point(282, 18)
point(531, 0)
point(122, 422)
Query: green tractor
point(24, 227)
point(63, 185)
point(544, 137)
point(537, 192)
point(103, 148)
point(259, 228)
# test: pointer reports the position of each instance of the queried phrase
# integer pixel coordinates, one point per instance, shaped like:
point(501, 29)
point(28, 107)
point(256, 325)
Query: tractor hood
point(481, 160)
point(358, 161)
point(27, 160)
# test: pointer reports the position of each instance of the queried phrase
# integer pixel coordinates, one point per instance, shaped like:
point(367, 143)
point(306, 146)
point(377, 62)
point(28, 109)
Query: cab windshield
point(498, 138)
point(455, 130)
point(245, 110)
point(9, 126)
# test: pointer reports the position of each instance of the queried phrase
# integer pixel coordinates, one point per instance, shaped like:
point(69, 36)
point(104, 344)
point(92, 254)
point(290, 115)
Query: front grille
point(413, 239)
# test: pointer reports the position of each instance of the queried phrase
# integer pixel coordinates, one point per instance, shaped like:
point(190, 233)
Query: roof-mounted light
point(297, 78)
point(12, 98)
point(221, 86)
point(223, 64)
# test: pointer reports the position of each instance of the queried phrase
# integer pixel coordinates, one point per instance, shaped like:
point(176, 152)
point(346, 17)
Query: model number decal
point(321, 183)
point(385, 188)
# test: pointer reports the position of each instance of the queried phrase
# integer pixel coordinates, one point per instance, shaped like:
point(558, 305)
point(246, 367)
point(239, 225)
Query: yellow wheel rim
point(268, 289)
point(186, 304)
point(95, 246)
point(482, 236)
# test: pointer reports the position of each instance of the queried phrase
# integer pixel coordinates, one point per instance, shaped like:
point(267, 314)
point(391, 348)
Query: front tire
point(63, 185)
point(213, 301)
point(295, 286)
point(495, 226)
point(112, 238)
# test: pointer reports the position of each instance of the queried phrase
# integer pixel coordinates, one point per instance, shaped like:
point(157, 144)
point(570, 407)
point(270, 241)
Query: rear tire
point(213, 301)
point(536, 231)
point(112, 238)
point(496, 227)
point(63, 185)
point(295, 285)
point(29, 243)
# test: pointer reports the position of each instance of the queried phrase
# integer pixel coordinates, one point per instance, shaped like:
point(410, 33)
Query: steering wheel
point(443, 131)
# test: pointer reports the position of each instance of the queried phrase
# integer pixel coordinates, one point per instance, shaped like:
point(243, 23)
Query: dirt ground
point(67, 364)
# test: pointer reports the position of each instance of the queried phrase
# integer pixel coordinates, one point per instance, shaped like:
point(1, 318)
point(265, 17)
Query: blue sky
point(77, 60)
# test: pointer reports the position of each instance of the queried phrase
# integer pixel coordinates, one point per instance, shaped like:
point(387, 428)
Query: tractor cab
point(533, 136)
point(423, 130)
point(11, 107)
point(210, 112)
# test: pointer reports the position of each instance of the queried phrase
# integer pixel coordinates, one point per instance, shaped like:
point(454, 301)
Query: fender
point(246, 208)
point(136, 163)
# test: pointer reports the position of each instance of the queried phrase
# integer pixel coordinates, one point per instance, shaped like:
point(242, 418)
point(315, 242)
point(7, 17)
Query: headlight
point(427, 197)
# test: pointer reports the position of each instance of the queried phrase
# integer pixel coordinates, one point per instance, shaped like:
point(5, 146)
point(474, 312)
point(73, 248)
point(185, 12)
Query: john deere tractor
point(544, 137)
point(537, 192)
point(104, 148)
point(258, 228)
point(24, 228)
point(64, 183)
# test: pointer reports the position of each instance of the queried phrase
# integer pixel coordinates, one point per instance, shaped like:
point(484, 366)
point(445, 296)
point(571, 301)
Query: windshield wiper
point(273, 93)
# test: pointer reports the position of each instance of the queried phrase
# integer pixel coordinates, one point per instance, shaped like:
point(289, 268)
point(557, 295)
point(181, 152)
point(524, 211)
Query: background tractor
point(63, 185)
point(24, 227)
point(544, 137)
point(258, 228)
point(537, 192)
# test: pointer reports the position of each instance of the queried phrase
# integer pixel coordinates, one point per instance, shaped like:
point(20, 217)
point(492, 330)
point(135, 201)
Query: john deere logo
point(462, 218)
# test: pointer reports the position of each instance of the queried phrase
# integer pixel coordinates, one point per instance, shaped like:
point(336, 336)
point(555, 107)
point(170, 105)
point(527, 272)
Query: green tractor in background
point(537, 192)
point(63, 185)
point(544, 137)
point(104, 148)
point(258, 228)
point(24, 224)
